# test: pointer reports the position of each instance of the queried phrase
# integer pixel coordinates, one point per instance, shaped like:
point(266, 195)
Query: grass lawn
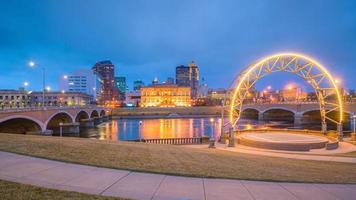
point(11, 190)
point(178, 160)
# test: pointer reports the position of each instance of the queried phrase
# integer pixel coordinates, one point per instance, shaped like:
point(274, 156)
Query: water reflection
point(134, 129)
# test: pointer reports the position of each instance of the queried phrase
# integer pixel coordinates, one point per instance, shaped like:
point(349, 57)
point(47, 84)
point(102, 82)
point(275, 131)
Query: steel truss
point(308, 69)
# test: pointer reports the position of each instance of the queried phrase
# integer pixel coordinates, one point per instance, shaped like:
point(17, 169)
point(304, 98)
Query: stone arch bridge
point(52, 119)
point(299, 112)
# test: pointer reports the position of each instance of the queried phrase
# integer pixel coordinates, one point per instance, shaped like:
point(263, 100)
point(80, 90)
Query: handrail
point(10, 110)
point(176, 141)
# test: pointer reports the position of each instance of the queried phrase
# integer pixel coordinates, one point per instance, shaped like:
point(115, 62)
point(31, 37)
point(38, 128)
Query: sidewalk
point(121, 183)
point(317, 155)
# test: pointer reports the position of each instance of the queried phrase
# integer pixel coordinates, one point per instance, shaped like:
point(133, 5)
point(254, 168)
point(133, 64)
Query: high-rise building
point(138, 84)
point(83, 81)
point(107, 93)
point(170, 80)
point(203, 89)
point(188, 76)
point(120, 83)
point(182, 75)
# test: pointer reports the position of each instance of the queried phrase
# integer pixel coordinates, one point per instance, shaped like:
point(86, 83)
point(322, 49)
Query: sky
point(147, 39)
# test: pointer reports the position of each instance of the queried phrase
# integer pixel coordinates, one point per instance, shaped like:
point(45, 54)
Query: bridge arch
point(278, 114)
point(22, 123)
point(94, 113)
point(102, 113)
point(57, 118)
point(279, 108)
point(250, 113)
point(81, 115)
point(315, 74)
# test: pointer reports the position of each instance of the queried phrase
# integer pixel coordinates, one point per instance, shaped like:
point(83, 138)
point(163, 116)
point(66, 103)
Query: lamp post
point(353, 134)
point(33, 64)
point(222, 134)
point(212, 140)
point(354, 123)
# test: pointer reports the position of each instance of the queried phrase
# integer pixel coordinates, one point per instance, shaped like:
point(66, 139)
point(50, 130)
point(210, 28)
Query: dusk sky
point(147, 39)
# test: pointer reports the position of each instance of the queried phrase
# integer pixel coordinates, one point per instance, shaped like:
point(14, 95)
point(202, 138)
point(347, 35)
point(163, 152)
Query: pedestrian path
point(325, 155)
point(134, 185)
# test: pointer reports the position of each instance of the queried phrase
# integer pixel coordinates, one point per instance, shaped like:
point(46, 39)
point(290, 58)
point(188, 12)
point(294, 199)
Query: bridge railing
point(27, 109)
point(176, 141)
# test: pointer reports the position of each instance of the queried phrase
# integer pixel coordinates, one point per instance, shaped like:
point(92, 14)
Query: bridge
point(299, 112)
point(50, 120)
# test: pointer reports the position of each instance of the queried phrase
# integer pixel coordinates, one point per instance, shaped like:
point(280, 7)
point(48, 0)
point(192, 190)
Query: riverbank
point(178, 160)
point(167, 112)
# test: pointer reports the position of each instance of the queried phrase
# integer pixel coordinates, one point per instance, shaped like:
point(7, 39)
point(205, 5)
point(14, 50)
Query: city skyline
point(162, 38)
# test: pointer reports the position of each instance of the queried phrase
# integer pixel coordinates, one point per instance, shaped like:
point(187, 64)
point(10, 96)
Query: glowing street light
point(48, 88)
point(337, 81)
point(211, 140)
point(65, 77)
point(25, 83)
point(269, 87)
point(32, 64)
point(290, 87)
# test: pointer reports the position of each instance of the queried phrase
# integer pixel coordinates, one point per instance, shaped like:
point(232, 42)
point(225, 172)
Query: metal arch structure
point(315, 74)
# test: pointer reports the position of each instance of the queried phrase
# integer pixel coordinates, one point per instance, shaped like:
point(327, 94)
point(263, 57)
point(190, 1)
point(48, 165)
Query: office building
point(14, 99)
point(170, 81)
point(107, 93)
point(137, 85)
point(83, 81)
point(188, 76)
point(60, 99)
point(120, 83)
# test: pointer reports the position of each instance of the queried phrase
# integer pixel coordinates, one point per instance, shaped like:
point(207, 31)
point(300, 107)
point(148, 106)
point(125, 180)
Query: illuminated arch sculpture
point(305, 67)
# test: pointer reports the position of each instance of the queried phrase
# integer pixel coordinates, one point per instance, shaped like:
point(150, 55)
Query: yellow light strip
point(317, 64)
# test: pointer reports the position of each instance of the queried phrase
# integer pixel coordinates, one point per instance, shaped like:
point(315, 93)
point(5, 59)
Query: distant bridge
point(48, 119)
point(298, 110)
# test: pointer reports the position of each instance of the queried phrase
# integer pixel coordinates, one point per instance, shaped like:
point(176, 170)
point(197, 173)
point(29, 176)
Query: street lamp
point(33, 64)
point(354, 123)
point(25, 84)
point(212, 140)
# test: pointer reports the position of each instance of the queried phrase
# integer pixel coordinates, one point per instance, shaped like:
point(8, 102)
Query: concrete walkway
point(121, 183)
point(320, 155)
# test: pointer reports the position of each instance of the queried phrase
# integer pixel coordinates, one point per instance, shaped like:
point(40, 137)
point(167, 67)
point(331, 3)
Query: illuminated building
point(292, 93)
point(107, 92)
point(83, 81)
point(137, 85)
point(133, 99)
point(14, 98)
point(170, 80)
point(188, 76)
point(165, 95)
point(120, 83)
point(61, 99)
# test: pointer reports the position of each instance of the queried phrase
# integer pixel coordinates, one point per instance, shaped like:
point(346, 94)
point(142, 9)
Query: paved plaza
point(122, 183)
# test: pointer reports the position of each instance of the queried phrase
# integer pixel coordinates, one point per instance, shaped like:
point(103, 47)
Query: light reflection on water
point(132, 129)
